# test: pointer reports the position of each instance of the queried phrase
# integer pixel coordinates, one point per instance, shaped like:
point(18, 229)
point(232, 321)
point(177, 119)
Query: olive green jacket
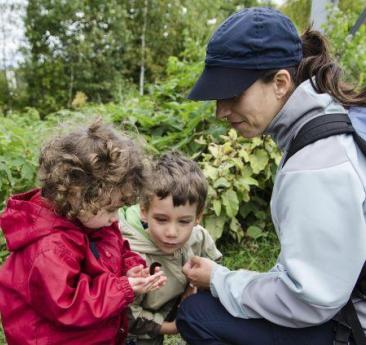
point(150, 310)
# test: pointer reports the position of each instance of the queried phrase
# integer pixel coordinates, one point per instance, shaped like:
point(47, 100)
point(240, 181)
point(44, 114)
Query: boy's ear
point(143, 214)
point(198, 218)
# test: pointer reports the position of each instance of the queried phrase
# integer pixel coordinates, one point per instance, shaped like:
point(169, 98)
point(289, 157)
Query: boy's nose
point(171, 232)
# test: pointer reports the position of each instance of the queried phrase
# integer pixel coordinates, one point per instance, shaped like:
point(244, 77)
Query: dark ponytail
point(318, 63)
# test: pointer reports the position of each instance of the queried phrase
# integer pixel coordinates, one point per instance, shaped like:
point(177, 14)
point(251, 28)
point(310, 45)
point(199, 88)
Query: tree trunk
point(143, 45)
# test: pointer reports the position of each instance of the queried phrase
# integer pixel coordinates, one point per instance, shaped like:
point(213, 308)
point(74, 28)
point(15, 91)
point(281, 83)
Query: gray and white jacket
point(318, 210)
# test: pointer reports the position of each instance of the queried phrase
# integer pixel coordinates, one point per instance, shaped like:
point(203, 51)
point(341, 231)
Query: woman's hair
point(317, 62)
point(176, 175)
point(80, 171)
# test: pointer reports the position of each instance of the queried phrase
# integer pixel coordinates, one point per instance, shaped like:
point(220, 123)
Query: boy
point(165, 230)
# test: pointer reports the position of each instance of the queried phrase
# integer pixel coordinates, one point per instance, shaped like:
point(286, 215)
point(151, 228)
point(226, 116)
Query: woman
point(268, 80)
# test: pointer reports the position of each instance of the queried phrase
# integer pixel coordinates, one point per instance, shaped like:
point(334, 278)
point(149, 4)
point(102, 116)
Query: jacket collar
point(303, 105)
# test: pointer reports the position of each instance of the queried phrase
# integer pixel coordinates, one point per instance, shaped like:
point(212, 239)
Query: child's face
point(105, 217)
point(170, 227)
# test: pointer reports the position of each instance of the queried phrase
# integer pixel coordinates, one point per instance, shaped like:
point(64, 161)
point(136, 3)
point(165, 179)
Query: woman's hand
point(142, 285)
point(198, 270)
point(190, 290)
point(168, 328)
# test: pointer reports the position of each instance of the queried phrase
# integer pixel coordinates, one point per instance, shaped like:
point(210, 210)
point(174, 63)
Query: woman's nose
point(222, 109)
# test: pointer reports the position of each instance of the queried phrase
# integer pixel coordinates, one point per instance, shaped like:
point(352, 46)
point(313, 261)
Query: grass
point(259, 255)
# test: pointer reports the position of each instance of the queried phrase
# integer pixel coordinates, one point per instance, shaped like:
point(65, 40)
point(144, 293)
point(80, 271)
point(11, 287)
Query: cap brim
point(221, 83)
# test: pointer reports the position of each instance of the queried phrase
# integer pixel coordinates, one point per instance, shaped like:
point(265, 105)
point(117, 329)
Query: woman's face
point(252, 111)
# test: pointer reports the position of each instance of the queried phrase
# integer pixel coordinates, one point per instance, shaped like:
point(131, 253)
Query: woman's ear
point(283, 84)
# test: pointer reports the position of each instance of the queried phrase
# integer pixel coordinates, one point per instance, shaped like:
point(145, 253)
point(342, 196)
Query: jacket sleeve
point(320, 221)
point(144, 322)
point(59, 291)
point(130, 258)
point(208, 246)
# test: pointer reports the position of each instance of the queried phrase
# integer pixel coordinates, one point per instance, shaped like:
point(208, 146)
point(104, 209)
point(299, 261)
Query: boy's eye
point(184, 221)
point(160, 220)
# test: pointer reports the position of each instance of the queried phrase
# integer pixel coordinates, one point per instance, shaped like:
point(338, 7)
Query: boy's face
point(170, 227)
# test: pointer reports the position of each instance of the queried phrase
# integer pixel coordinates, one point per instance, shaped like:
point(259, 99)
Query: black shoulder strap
point(316, 129)
point(320, 128)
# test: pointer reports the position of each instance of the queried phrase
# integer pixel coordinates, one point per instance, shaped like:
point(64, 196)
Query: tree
point(75, 46)
point(10, 32)
point(98, 47)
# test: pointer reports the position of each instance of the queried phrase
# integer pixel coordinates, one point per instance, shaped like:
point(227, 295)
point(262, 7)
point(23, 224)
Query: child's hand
point(137, 271)
point(142, 285)
point(168, 328)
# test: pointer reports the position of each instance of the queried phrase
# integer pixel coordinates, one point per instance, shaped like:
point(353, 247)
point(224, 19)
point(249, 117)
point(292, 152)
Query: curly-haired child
point(70, 276)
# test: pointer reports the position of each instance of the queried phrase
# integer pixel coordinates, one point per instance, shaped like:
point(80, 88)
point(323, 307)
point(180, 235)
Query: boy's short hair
point(87, 165)
point(176, 175)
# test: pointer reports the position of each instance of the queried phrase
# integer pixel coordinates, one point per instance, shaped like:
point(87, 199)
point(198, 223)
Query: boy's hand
point(198, 271)
point(142, 285)
point(168, 328)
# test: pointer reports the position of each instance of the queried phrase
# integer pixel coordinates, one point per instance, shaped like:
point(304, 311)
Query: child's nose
point(171, 231)
point(114, 217)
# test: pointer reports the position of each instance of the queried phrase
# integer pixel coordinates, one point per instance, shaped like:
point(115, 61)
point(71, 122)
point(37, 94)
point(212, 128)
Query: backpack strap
point(348, 323)
point(320, 128)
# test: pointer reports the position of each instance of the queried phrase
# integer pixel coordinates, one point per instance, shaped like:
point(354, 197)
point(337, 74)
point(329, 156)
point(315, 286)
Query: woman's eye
point(185, 221)
point(160, 220)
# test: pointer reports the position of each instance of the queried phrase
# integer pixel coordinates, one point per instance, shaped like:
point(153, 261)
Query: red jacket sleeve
point(59, 291)
point(130, 258)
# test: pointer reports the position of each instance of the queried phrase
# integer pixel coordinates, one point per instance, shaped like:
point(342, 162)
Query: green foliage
point(298, 11)
point(19, 143)
point(240, 174)
point(351, 51)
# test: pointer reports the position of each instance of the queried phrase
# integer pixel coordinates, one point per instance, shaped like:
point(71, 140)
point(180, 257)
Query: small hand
point(142, 285)
point(137, 271)
point(168, 328)
point(198, 270)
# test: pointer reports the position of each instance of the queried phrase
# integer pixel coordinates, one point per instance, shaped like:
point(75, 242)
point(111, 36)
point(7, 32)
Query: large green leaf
point(215, 225)
point(259, 160)
point(230, 200)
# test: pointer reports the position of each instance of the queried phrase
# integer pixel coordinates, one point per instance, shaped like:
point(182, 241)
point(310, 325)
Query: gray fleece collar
point(303, 105)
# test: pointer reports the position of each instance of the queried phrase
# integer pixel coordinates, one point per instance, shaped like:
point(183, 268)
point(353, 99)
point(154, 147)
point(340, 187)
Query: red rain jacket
point(62, 284)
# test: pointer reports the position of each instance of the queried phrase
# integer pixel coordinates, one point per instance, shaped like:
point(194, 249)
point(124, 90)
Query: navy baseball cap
point(249, 43)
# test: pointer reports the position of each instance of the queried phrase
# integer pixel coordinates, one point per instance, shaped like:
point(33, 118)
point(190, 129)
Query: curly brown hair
point(176, 175)
point(79, 171)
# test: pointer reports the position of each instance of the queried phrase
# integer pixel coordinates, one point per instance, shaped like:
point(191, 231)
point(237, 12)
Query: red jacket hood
point(27, 218)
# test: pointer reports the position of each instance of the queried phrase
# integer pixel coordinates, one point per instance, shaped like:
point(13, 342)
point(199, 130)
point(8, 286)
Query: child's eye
point(160, 220)
point(185, 221)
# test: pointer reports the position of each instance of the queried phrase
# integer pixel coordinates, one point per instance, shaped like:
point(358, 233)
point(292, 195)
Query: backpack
point(347, 322)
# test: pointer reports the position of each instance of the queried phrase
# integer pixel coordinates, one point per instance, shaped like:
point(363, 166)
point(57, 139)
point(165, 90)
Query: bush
point(240, 174)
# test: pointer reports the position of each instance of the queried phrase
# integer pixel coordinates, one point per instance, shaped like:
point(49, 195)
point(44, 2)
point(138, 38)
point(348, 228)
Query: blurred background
point(132, 62)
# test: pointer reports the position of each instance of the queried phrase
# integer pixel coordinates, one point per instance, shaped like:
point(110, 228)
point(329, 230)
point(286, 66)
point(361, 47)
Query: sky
point(11, 31)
